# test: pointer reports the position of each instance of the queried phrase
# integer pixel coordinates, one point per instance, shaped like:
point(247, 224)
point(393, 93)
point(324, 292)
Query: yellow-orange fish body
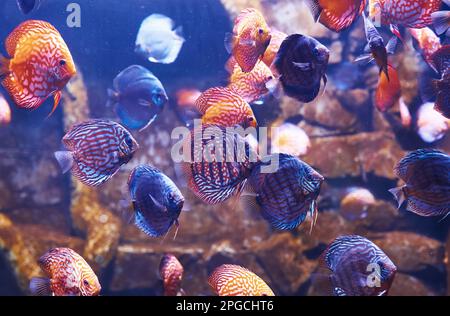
point(277, 38)
point(40, 64)
point(250, 38)
point(225, 108)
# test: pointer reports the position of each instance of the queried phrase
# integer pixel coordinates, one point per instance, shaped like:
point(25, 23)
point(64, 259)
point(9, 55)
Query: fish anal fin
point(57, 99)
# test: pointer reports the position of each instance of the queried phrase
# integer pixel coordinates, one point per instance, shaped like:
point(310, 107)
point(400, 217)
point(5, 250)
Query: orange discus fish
point(224, 107)
point(252, 86)
point(250, 38)
point(234, 280)
point(40, 64)
point(336, 15)
point(388, 90)
point(68, 275)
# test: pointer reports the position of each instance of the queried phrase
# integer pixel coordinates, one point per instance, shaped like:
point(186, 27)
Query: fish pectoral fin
point(391, 45)
point(40, 287)
point(157, 204)
point(399, 195)
point(230, 41)
point(247, 42)
point(303, 66)
point(65, 160)
point(57, 99)
point(364, 58)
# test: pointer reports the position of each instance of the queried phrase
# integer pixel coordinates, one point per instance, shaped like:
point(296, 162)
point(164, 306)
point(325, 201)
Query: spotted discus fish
point(234, 280)
point(408, 13)
point(40, 64)
point(426, 173)
point(171, 272)
point(336, 15)
point(96, 151)
point(358, 267)
point(218, 176)
point(285, 196)
point(249, 40)
point(68, 275)
point(157, 201)
point(224, 107)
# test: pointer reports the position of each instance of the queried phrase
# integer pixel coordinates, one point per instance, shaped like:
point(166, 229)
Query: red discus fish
point(408, 13)
point(388, 90)
point(252, 86)
point(224, 107)
point(40, 65)
point(336, 15)
point(428, 43)
point(171, 271)
point(68, 275)
point(249, 40)
point(234, 280)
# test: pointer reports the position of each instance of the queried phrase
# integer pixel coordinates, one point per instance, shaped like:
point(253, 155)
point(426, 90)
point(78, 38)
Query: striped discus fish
point(408, 13)
point(171, 271)
point(224, 107)
point(358, 267)
point(234, 280)
point(68, 275)
point(285, 196)
point(157, 201)
point(40, 64)
point(219, 163)
point(426, 173)
point(96, 150)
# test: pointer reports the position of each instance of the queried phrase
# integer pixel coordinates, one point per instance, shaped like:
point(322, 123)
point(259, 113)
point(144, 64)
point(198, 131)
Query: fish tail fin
point(65, 160)
point(315, 8)
point(230, 42)
point(441, 21)
point(399, 195)
point(4, 66)
point(113, 98)
point(40, 287)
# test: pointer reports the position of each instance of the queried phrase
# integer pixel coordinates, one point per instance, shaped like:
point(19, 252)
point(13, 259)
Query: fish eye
point(269, 78)
point(62, 62)
point(129, 142)
point(158, 99)
point(261, 31)
point(86, 282)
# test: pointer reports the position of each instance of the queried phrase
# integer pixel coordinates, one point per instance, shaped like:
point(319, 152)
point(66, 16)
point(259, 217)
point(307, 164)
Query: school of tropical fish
point(263, 63)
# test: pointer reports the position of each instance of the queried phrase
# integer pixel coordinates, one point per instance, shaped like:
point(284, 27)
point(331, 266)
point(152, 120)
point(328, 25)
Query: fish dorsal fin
point(315, 8)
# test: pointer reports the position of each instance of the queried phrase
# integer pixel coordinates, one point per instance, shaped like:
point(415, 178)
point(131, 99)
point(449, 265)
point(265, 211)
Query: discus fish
point(277, 38)
point(96, 151)
point(138, 97)
point(358, 267)
point(234, 280)
point(40, 65)
point(68, 275)
point(5, 112)
point(428, 43)
point(171, 272)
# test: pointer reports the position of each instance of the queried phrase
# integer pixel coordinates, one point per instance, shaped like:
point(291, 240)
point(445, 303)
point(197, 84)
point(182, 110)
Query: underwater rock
point(336, 50)
point(407, 285)
point(6, 199)
point(355, 99)
point(411, 252)
point(353, 155)
point(408, 68)
point(52, 217)
point(75, 99)
point(380, 216)
point(234, 7)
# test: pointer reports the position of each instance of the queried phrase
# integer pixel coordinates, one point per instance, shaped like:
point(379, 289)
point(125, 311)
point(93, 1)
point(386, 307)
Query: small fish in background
point(186, 109)
point(426, 173)
point(431, 125)
point(40, 66)
point(375, 49)
point(158, 41)
point(68, 274)
point(284, 197)
point(355, 203)
point(156, 200)
point(96, 151)
point(301, 64)
point(137, 96)
point(439, 89)
point(289, 139)
point(414, 14)
point(26, 6)
point(254, 85)
point(220, 105)
point(234, 280)
point(388, 91)
point(249, 40)
point(277, 38)
point(358, 267)
point(336, 15)
point(441, 19)
point(213, 178)
point(5, 112)
point(428, 43)
point(171, 272)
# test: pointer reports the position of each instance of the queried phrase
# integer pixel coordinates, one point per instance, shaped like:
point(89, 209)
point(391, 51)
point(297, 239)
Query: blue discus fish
point(157, 201)
point(138, 97)
point(26, 6)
